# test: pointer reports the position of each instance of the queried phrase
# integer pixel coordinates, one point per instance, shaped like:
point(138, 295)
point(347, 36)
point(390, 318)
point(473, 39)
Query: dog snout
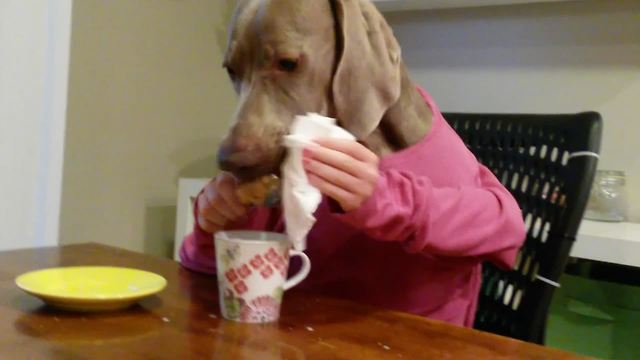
point(246, 160)
point(234, 155)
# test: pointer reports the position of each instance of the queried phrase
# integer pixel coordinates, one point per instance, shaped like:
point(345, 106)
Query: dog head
point(289, 57)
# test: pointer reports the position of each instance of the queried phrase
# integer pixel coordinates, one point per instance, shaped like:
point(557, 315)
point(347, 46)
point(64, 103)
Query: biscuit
point(262, 191)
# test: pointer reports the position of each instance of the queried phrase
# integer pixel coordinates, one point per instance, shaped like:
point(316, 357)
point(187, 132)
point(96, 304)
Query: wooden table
point(183, 322)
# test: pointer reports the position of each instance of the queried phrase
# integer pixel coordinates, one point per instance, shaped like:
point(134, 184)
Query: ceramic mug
point(252, 269)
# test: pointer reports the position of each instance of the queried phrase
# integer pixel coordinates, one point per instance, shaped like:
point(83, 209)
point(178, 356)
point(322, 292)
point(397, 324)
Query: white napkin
point(299, 199)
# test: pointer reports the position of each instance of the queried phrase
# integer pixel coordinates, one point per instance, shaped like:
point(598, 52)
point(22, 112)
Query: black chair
point(548, 163)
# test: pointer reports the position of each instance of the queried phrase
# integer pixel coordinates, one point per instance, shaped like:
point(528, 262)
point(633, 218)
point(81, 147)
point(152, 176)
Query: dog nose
point(238, 159)
point(224, 154)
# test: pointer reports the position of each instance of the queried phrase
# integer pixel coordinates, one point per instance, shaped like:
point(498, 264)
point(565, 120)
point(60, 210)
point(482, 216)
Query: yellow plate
point(91, 288)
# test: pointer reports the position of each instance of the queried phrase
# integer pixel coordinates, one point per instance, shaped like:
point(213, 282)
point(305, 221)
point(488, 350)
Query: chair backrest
point(548, 163)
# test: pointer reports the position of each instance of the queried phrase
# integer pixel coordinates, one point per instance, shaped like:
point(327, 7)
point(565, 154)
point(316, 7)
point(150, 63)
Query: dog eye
point(232, 73)
point(287, 65)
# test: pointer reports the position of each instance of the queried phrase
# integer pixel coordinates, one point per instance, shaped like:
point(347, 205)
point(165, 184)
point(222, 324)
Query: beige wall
point(148, 103)
point(556, 57)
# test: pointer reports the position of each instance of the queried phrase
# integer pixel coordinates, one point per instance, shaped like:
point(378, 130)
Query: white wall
point(34, 50)
point(543, 58)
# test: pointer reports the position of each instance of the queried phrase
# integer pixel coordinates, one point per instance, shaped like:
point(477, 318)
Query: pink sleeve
point(482, 221)
point(197, 251)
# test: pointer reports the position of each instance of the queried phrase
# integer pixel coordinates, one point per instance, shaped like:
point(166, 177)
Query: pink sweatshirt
point(417, 244)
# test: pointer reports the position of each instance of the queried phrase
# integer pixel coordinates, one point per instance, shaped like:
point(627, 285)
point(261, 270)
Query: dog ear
point(367, 78)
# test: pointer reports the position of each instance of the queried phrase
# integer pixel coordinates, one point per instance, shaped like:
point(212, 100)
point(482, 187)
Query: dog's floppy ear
point(367, 78)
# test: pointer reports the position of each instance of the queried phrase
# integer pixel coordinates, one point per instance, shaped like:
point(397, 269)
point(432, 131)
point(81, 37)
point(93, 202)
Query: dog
point(338, 58)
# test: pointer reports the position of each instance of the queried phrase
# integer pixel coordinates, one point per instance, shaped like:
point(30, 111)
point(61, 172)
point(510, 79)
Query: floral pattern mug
point(252, 269)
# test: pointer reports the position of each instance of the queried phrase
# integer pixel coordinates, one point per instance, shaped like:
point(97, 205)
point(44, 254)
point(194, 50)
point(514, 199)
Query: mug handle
point(302, 274)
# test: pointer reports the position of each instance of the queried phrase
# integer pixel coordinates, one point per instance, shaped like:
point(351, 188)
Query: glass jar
point(608, 198)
